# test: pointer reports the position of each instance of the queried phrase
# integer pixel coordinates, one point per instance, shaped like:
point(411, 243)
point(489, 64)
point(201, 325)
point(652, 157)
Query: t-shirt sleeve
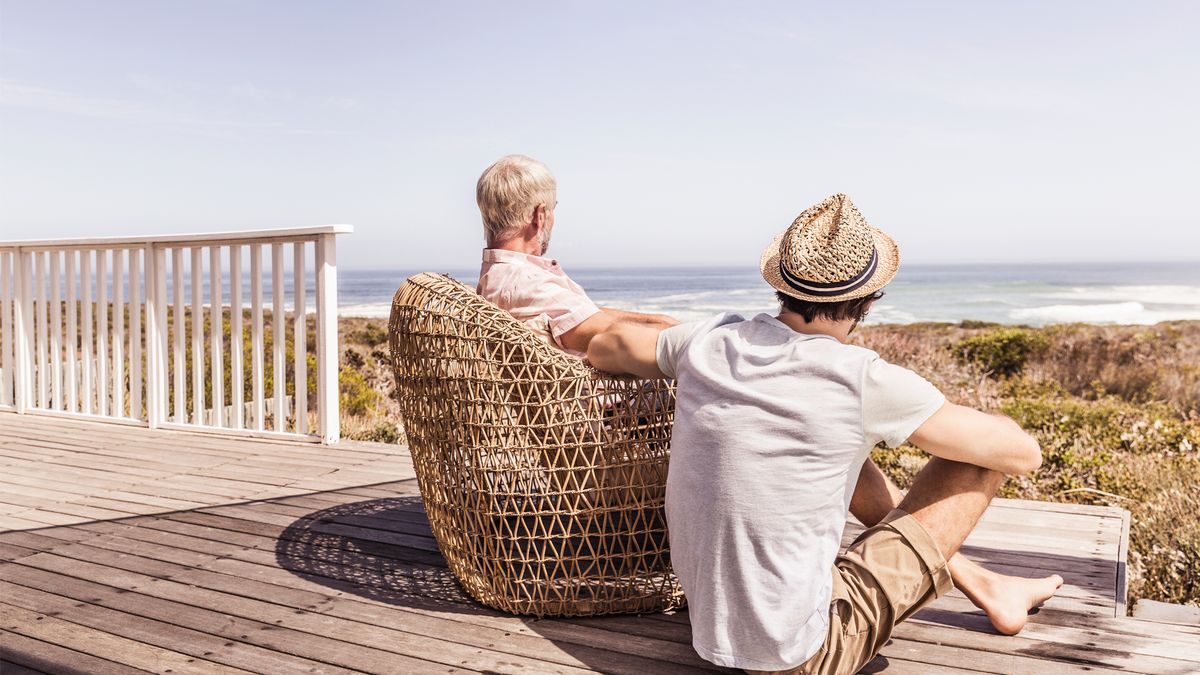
point(673, 341)
point(670, 345)
point(896, 401)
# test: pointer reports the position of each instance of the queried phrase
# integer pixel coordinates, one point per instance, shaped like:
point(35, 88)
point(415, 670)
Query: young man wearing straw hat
point(516, 197)
point(775, 418)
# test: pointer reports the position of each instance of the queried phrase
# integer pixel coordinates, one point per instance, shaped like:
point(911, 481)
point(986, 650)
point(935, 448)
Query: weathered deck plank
point(127, 550)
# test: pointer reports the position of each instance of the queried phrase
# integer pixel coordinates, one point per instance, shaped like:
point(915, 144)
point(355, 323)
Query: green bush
point(1001, 352)
point(371, 335)
point(972, 323)
point(382, 432)
point(358, 397)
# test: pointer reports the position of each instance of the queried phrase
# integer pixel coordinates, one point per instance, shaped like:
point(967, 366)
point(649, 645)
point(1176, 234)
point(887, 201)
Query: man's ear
point(538, 220)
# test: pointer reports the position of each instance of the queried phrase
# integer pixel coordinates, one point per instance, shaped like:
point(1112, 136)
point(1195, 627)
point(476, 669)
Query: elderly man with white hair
point(516, 197)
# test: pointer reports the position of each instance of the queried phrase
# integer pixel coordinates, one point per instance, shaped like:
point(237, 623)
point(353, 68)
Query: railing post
point(328, 399)
point(156, 331)
point(23, 330)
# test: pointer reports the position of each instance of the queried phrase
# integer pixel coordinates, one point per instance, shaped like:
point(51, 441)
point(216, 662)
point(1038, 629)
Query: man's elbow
point(603, 351)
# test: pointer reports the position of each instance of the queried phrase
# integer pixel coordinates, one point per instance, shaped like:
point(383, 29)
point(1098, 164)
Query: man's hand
point(627, 348)
point(994, 442)
point(579, 337)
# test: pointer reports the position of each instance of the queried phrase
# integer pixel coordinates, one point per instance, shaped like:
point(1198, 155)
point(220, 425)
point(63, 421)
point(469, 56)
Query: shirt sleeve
point(896, 401)
point(563, 306)
point(671, 342)
point(575, 310)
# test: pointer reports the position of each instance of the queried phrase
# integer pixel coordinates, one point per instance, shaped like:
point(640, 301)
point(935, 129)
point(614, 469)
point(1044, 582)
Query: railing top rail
point(277, 233)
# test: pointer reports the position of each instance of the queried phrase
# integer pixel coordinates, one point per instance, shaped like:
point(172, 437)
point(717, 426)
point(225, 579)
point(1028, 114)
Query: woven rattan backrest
point(542, 478)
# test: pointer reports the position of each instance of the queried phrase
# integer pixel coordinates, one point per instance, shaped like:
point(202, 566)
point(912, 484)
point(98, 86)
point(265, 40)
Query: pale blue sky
point(680, 132)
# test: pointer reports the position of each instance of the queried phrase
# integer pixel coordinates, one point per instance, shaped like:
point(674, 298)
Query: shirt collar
point(500, 255)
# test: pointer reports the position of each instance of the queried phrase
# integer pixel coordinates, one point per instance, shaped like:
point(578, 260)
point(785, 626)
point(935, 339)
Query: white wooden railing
point(103, 328)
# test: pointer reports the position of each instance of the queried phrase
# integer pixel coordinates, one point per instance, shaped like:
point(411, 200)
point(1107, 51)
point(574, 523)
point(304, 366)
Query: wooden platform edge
point(1122, 590)
point(1165, 612)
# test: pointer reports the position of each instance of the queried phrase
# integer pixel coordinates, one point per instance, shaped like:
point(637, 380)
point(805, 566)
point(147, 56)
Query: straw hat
point(830, 253)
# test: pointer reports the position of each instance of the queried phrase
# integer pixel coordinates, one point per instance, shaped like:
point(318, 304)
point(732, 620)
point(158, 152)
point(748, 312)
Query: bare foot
point(1007, 600)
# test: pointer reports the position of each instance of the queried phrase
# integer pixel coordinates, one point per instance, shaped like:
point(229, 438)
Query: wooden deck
point(124, 549)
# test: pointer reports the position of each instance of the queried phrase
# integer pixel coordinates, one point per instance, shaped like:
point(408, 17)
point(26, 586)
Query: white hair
point(509, 191)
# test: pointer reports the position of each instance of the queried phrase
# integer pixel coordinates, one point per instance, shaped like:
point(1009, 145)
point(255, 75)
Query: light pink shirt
point(536, 291)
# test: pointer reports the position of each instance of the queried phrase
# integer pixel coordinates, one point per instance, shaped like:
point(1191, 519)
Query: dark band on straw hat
point(832, 288)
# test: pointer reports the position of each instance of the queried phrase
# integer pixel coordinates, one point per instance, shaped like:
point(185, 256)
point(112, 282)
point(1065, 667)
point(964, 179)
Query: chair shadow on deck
point(380, 549)
point(383, 550)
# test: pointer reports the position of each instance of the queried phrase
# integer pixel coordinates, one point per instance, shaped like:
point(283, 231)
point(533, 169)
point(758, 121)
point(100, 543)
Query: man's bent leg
point(948, 498)
point(1006, 599)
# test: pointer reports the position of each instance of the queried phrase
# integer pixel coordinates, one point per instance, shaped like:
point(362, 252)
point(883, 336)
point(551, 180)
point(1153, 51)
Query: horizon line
point(754, 265)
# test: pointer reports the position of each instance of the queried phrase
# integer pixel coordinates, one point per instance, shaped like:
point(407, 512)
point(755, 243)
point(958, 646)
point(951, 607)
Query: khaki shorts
point(887, 574)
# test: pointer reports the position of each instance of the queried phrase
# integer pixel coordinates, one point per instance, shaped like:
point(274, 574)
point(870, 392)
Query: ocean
point(1039, 294)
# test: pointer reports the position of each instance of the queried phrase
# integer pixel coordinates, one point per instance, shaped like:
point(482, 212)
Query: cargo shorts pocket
point(850, 615)
point(853, 632)
point(849, 622)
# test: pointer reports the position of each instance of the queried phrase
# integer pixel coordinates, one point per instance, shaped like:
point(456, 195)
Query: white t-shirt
point(771, 430)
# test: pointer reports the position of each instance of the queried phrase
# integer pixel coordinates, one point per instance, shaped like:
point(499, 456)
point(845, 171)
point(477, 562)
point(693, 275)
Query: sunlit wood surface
point(124, 549)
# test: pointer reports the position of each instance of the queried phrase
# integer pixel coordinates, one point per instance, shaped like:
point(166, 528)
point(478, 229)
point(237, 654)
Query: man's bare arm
point(994, 442)
point(579, 337)
point(660, 320)
point(627, 348)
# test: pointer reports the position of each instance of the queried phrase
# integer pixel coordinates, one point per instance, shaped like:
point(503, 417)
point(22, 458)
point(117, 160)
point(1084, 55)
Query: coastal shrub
point(1109, 423)
point(1001, 352)
point(1127, 361)
point(358, 397)
point(352, 358)
point(371, 334)
point(902, 463)
point(382, 432)
point(1164, 533)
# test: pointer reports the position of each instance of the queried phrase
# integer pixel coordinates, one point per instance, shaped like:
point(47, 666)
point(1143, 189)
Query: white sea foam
point(1188, 296)
point(684, 297)
point(890, 314)
point(368, 310)
point(1113, 312)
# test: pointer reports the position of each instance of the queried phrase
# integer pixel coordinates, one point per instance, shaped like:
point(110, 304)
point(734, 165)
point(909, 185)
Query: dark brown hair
point(834, 311)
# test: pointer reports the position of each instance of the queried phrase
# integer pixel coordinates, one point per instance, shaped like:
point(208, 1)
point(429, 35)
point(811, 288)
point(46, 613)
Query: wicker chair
point(543, 479)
